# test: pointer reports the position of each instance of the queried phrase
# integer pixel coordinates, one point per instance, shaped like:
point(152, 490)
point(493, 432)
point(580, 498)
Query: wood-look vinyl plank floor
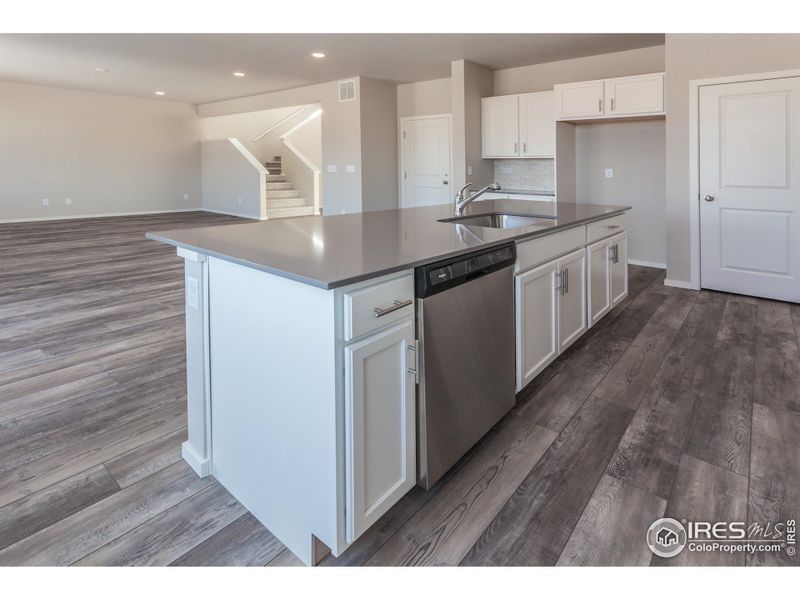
point(677, 403)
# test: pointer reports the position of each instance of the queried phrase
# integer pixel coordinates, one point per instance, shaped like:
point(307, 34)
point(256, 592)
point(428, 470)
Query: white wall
point(246, 126)
point(700, 56)
point(108, 154)
point(635, 150)
point(233, 180)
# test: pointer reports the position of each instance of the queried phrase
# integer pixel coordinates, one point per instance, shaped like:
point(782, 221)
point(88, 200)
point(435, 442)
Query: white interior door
point(750, 188)
point(426, 161)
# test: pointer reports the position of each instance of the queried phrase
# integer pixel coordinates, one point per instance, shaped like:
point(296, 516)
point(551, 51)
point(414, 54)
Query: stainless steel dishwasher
point(465, 327)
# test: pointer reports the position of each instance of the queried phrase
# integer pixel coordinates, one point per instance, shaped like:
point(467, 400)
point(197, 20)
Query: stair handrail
point(280, 122)
point(317, 172)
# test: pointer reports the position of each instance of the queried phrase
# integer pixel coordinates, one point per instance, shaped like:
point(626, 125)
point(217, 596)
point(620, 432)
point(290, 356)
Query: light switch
point(186, 196)
point(68, 201)
point(469, 170)
point(351, 168)
point(332, 169)
point(609, 173)
point(192, 293)
point(45, 201)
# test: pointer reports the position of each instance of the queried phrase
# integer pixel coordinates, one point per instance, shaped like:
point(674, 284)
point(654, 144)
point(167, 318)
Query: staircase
point(282, 200)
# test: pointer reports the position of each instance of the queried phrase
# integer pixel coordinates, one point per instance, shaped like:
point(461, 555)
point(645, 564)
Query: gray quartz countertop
point(337, 250)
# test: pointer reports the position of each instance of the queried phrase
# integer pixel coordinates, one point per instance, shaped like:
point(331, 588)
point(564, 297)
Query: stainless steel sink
point(500, 220)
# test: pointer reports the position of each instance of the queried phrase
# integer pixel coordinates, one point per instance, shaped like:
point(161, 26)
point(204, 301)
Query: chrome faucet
point(462, 201)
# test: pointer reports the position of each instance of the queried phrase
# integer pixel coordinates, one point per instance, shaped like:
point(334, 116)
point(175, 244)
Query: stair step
point(279, 185)
point(275, 178)
point(282, 213)
point(272, 165)
point(285, 202)
point(282, 193)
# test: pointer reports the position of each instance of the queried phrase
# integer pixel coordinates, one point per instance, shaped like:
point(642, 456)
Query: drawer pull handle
point(613, 226)
point(379, 312)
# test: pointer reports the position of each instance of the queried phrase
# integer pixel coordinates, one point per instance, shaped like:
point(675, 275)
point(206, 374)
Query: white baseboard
point(686, 285)
point(200, 465)
point(647, 263)
point(104, 215)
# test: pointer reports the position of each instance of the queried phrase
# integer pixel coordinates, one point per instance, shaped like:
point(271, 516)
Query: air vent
point(347, 90)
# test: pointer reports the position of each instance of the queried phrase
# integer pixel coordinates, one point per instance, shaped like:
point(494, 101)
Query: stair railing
point(316, 171)
point(281, 122)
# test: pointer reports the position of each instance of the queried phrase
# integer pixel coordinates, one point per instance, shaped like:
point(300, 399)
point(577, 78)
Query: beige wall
point(699, 56)
point(541, 77)
point(341, 135)
point(233, 182)
point(378, 144)
point(108, 154)
point(424, 98)
point(469, 83)
point(635, 151)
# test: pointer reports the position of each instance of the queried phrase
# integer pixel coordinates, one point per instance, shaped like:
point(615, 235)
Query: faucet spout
point(462, 200)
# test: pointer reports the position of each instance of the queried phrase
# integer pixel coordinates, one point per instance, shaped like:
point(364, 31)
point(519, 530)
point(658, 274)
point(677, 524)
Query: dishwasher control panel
point(442, 275)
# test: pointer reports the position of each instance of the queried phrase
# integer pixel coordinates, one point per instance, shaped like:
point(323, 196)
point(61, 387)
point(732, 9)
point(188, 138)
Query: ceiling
point(197, 68)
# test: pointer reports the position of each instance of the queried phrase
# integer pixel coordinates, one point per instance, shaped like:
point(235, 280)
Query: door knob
point(444, 181)
point(708, 198)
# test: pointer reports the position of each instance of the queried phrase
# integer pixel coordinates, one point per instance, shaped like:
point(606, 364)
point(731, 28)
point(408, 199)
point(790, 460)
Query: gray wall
point(231, 183)
point(378, 145)
point(699, 56)
point(635, 150)
point(108, 154)
point(341, 135)
point(469, 83)
point(424, 98)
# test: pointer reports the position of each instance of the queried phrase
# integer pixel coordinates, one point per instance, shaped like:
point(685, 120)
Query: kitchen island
point(301, 346)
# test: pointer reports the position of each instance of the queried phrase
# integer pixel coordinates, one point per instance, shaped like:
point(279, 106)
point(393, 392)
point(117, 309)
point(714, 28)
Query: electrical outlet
point(193, 292)
point(332, 169)
point(351, 168)
point(45, 202)
point(240, 200)
point(186, 196)
point(469, 170)
point(68, 201)
point(609, 173)
point(505, 170)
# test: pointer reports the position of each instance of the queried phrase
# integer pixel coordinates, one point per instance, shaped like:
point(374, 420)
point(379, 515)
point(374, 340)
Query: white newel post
point(197, 449)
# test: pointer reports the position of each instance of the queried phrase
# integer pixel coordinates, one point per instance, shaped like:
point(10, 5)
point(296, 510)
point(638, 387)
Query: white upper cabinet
point(537, 125)
point(635, 96)
point(579, 100)
point(640, 95)
point(500, 125)
point(519, 126)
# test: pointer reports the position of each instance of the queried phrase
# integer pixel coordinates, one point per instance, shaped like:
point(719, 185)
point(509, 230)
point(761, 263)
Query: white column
point(197, 449)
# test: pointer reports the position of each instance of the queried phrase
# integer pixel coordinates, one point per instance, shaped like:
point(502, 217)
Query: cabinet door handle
point(524, 146)
point(516, 147)
point(612, 105)
point(560, 285)
point(379, 312)
point(566, 280)
point(415, 371)
point(599, 105)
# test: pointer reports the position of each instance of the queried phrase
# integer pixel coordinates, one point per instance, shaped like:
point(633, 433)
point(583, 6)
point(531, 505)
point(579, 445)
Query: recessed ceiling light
point(160, 93)
point(101, 69)
point(238, 74)
point(318, 54)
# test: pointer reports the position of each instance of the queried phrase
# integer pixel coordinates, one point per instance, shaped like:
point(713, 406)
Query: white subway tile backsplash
point(536, 174)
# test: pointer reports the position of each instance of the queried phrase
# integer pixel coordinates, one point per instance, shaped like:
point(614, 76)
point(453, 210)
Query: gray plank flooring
point(678, 403)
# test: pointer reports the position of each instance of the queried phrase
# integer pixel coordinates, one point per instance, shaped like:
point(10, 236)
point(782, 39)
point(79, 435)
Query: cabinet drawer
point(540, 250)
point(607, 227)
point(375, 306)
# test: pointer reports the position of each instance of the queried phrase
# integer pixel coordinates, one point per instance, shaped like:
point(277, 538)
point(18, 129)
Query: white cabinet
point(500, 127)
point(618, 259)
point(537, 320)
point(572, 322)
point(598, 281)
point(629, 96)
point(550, 312)
point(635, 96)
point(519, 126)
point(537, 125)
point(579, 100)
point(380, 432)
point(607, 279)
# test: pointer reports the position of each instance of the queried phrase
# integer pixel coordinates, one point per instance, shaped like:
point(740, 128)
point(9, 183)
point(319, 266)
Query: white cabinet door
point(537, 125)
point(571, 298)
point(380, 429)
point(618, 260)
point(579, 100)
point(537, 321)
point(637, 95)
point(598, 280)
point(500, 127)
